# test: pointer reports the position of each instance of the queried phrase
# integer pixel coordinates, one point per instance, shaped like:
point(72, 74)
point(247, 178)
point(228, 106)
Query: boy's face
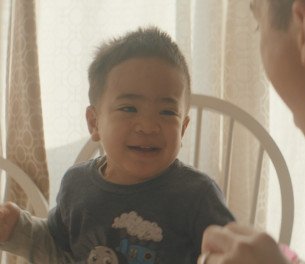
point(141, 118)
point(281, 51)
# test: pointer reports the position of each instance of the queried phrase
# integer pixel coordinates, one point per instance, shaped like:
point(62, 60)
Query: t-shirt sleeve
point(58, 230)
point(210, 209)
point(31, 240)
point(217, 209)
point(57, 216)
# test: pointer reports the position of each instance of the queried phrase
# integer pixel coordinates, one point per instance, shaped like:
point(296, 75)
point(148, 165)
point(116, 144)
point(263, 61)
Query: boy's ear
point(92, 123)
point(298, 10)
point(185, 124)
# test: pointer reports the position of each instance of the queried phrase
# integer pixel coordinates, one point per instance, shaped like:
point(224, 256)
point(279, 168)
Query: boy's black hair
point(149, 42)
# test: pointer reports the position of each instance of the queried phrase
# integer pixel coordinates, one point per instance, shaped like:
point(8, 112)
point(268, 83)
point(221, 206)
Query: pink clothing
point(290, 255)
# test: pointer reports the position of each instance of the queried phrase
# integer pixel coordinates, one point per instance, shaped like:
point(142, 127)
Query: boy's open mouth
point(144, 148)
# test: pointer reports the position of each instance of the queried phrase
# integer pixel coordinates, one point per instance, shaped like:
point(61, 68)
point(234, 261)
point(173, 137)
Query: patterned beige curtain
point(25, 138)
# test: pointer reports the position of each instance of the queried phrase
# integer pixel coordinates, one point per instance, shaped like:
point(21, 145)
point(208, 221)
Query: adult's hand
point(236, 244)
point(9, 216)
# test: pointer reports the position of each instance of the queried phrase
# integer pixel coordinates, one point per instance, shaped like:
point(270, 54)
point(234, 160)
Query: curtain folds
point(244, 84)
point(225, 63)
point(25, 137)
point(2, 60)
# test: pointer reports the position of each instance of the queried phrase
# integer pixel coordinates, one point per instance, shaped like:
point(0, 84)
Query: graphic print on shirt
point(102, 255)
point(137, 240)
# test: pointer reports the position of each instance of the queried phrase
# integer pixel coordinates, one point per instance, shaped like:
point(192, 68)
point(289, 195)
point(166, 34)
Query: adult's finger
point(212, 258)
point(241, 229)
point(217, 239)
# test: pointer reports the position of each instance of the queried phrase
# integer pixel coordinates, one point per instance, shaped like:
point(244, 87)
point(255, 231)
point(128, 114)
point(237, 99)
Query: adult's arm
point(241, 245)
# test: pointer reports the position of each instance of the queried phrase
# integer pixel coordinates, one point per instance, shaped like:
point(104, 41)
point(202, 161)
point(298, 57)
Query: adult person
point(282, 29)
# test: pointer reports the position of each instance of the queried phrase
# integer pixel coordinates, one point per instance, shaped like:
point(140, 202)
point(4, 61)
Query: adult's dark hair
point(280, 13)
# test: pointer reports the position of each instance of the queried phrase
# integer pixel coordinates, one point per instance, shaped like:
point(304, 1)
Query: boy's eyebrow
point(169, 100)
point(132, 96)
point(129, 96)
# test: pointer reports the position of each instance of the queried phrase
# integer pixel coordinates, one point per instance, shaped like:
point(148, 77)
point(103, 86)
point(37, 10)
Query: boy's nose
point(147, 125)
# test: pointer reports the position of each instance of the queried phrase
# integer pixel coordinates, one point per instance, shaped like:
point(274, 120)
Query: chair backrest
point(36, 198)
point(267, 146)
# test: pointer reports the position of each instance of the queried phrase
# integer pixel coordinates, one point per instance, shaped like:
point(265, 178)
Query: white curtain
point(221, 47)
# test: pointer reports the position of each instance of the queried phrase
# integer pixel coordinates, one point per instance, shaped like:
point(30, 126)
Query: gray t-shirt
point(158, 221)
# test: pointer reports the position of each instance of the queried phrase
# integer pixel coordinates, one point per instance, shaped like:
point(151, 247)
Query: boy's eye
point(129, 109)
point(168, 112)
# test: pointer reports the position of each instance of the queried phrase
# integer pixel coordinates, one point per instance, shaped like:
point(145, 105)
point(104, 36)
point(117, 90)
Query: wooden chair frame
point(267, 146)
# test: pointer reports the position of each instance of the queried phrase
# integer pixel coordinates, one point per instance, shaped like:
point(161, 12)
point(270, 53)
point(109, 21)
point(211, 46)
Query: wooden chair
point(235, 115)
point(36, 198)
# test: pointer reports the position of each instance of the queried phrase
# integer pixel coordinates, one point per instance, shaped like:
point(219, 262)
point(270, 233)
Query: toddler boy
point(138, 203)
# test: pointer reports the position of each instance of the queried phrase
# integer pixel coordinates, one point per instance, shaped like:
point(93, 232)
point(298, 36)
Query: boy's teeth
point(144, 148)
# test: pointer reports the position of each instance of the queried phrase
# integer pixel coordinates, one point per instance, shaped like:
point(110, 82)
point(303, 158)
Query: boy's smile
point(140, 119)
